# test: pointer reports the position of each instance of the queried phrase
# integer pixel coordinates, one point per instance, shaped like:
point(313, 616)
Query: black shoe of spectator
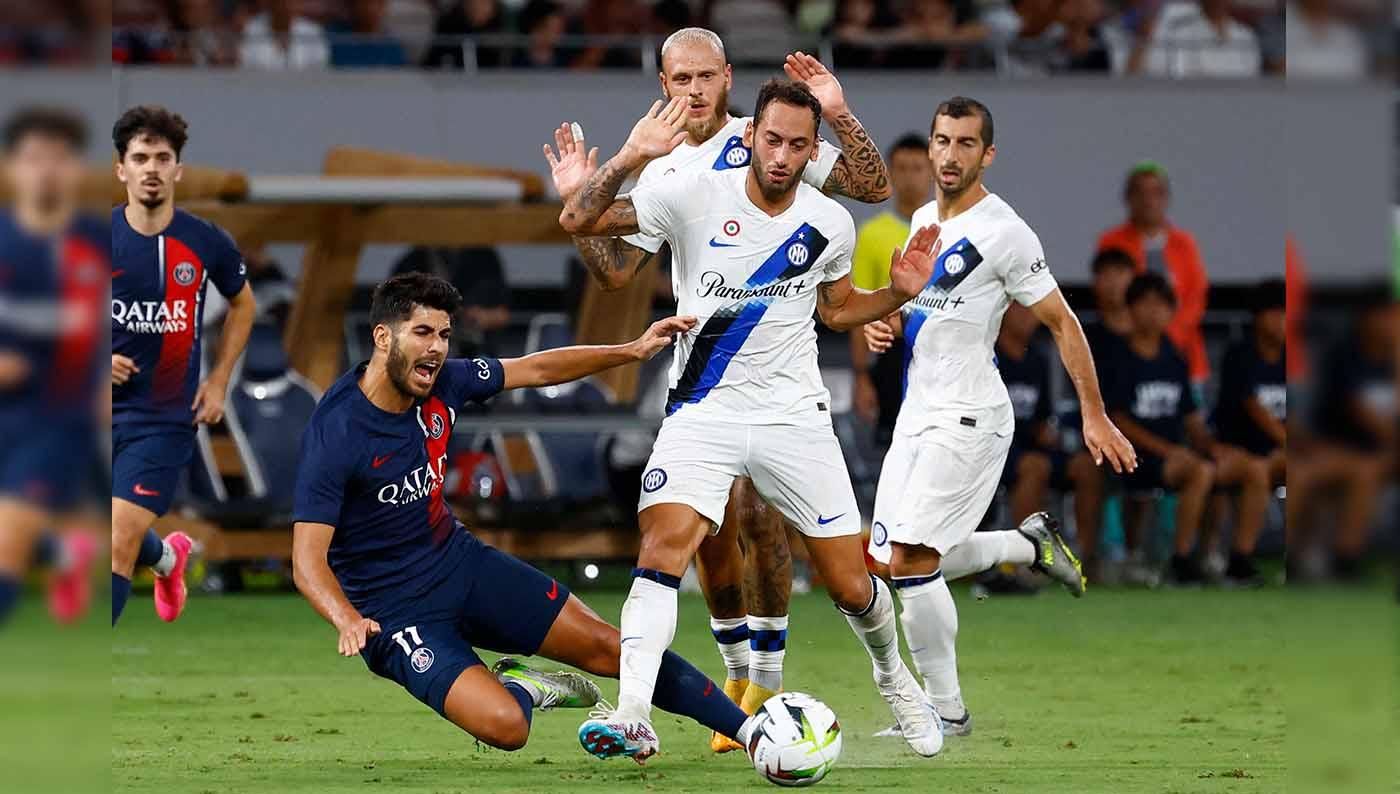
point(1186, 572)
point(1241, 571)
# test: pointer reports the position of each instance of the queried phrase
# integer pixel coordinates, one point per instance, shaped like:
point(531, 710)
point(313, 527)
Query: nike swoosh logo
point(379, 461)
point(141, 491)
point(553, 593)
point(714, 244)
point(825, 521)
point(626, 639)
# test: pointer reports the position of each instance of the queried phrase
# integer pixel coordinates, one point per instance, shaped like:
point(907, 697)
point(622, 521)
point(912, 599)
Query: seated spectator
point(1082, 45)
point(364, 43)
point(1113, 271)
point(203, 38)
point(860, 32)
point(1251, 411)
point(1351, 455)
point(1036, 462)
point(1195, 39)
point(939, 33)
point(1150, 397)
point(879, 388)
point(478, 276)
point(462, 19)
point(1319, 45)
point(1159, 246)
point(1045, 36)
point(755, 32)
point(543, 21)
point(140, 33)
point(610, 18)
point(277, 38)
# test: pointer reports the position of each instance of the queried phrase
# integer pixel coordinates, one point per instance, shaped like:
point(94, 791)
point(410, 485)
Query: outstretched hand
point(1106, 442)
point(823, 84)
point(575, 163)
point(660, 131)
point(911, 269)
point(658, 336)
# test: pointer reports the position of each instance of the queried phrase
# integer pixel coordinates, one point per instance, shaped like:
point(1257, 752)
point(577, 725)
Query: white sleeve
point(1026, 276)
point(646, 242)
point(815, 173)
point(841, 249)
point(658, 205)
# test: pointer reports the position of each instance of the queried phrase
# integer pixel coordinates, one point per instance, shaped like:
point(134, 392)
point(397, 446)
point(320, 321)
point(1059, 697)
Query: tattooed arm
point(612, 261)
point(859, 172)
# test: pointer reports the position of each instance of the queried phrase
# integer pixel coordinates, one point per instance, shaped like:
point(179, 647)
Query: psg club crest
point(184, 274)
point(438, 428)
point(421, 660)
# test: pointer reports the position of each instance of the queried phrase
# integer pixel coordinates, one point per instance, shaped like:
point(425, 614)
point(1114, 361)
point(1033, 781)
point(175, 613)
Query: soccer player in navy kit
point(380, 556)
point(162, 260)
point(52, 260)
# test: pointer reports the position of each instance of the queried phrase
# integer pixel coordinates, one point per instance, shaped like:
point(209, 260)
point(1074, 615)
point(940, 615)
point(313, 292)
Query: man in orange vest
point(1158, 246)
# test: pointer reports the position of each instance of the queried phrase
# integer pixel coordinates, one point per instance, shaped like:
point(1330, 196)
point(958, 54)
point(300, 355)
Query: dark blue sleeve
point(322, 477)
point(1190, 402)
point(465, 380)
point(228, 272)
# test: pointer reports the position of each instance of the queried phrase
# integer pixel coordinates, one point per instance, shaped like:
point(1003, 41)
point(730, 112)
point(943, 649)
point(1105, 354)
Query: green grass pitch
point(1122, 691)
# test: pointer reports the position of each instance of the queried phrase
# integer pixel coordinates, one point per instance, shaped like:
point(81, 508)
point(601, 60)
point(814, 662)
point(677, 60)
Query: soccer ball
point(795, 741)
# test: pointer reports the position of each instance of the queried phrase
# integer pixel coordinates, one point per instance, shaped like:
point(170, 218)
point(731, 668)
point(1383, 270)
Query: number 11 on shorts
point(411, 631)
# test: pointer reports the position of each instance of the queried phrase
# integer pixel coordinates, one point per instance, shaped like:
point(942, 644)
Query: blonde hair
point(693, 36)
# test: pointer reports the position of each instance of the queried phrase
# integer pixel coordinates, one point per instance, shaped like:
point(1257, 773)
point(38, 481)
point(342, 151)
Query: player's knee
point(507, 729)
point(851, 593)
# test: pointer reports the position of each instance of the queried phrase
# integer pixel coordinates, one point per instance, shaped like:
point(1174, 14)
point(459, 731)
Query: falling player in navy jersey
point(380, 556)
point(162, 261)
point(52, 260)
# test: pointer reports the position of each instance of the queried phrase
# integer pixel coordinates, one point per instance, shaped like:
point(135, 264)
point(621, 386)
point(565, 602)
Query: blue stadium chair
point(571, 464)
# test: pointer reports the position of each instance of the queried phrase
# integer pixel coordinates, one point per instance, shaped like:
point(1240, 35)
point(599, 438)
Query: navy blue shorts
point(1149, 475)
point(1059, 466)
point(147, 460)
point(492, 601)
point(47, 466)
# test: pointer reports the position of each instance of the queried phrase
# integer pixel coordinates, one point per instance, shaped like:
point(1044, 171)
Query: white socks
point(648, 626)
point(875, 627)
point(982, 550)
point(732, 637)
point(167, 560)
point(767, 647)
point(931, 627)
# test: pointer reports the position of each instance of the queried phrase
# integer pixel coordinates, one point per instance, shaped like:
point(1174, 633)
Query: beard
point(966, 180)
point(704, 129)
point(398, 367)
point(152, 202)
point(773, 191)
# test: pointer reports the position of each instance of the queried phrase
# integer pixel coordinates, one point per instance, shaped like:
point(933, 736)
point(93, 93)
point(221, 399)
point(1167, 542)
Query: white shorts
point(935, 488)
point(796, 468)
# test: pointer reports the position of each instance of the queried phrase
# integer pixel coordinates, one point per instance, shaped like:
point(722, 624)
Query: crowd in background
point(1164, 38)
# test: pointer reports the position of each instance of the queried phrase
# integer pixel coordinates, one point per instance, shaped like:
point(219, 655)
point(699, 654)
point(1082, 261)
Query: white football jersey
point(724, 150)
point(752, 281)
point(989, 257)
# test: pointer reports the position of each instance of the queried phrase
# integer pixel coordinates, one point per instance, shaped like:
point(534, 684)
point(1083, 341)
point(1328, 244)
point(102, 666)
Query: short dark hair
point(1269, 294)
point(150, 121)
point(960, 107)
point(789, 92)
point(48, 122)
point(1150, 284)
point(909, 140)
point(1112, 257)
point(395, 298)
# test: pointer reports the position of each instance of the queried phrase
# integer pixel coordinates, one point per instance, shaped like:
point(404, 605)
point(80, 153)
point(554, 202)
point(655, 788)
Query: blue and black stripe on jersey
point(727, 329)
point(734, 154)
point(964, 258)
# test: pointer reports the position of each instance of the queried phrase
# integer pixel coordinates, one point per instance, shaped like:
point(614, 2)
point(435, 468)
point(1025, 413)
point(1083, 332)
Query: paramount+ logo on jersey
point(415, 486)
point(152, 317)
point(712, 284)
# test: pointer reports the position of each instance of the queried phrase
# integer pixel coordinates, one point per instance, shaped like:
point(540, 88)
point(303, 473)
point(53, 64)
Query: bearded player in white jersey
point(747, 592)
point(757, 252)
point(955, 425)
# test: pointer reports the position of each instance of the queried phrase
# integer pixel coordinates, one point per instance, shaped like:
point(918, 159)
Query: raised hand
point(658, 336)
point(660, 131)
point(1106, 441)
point(801, 66)
point(575, 163)
point(911, 269)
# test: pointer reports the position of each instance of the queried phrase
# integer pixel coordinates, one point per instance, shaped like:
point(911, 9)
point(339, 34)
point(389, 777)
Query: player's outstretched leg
point(1036, 542)
point(135, 543)
point(720, 564)
point(580, 638)
point(869, 608)
point(495, 713)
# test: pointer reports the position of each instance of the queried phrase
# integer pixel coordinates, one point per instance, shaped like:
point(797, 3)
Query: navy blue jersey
point(1244, 374)
point(51, 294)
point(158, 286)
point(1347, 377)
point(377, 477)
point(1103, 346)
point(1155, 392)
point(1028, 382)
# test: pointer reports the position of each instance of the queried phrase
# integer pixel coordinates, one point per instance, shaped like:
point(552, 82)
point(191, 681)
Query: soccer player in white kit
point(757, 251)
point(748, 619)
point(955, 425)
